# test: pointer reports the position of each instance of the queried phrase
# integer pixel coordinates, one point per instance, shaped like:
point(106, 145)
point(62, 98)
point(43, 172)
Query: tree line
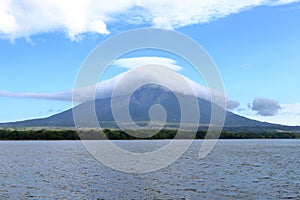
point(95, 134)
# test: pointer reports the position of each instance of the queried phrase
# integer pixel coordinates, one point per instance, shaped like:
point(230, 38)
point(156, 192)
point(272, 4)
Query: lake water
point(235, 169)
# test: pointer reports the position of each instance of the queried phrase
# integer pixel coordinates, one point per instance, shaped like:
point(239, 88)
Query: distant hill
point(140, 103)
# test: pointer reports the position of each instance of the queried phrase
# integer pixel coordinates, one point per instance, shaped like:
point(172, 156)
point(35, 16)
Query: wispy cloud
point(23, 18)
point(282, 2)
point(59, 96)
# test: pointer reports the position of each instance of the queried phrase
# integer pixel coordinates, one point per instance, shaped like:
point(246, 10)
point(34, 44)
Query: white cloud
point(59, 96)
point(134, 62)
point(105, 88)
point(176, 13)
point(8, 23)
point(23, 18)
point(289, 114)
point(282, 2)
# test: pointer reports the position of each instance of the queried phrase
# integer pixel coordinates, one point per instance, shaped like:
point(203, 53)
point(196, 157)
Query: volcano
point(140, 103)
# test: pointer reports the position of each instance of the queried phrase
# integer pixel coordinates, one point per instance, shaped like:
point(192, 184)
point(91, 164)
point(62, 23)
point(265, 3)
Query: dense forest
point(92, 134)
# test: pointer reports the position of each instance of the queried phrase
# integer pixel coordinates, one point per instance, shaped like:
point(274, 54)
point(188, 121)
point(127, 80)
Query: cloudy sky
point(254, 43)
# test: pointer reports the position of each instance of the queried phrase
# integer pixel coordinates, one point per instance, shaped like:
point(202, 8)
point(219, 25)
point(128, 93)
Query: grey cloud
point(50, 111)
point(231, 104)
point(249, 105)
point(241, 109)
point(265, 106)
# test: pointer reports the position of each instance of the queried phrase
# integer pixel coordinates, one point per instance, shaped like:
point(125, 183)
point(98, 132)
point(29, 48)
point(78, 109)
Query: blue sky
point(255, 45)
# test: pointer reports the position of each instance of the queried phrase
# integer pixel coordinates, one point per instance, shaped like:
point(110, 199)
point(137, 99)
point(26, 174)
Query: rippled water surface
point(235, 169)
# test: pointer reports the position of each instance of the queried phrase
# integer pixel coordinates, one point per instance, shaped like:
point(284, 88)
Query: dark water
point(235, 169)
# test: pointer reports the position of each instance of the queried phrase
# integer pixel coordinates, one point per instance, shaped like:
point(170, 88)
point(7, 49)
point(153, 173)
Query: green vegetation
point(8, 134)
point(94, 134)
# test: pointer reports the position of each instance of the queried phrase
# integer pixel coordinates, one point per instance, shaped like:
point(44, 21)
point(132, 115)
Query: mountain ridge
point(139, 105)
